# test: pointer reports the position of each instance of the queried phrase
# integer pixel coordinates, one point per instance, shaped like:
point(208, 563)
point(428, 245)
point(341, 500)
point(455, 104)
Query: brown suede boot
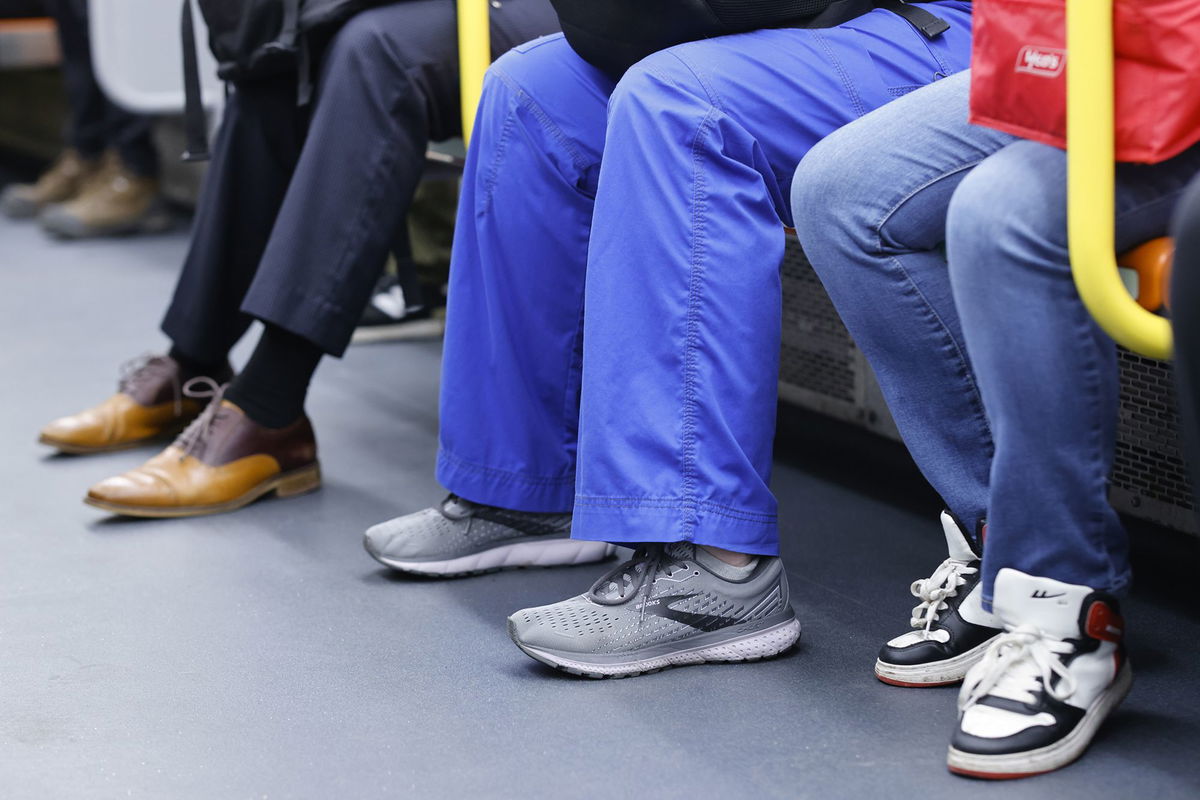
point(59, 184)
point(113, 201)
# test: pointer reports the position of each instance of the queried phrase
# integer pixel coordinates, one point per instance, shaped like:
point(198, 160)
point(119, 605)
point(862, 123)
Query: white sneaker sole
point(938, 673)
point(551, 553)
point(750, 647)
point(1052, 756)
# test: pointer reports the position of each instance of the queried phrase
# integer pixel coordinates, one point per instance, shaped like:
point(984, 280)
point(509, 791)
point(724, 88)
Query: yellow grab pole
point(474, 56)
point(1091, 183)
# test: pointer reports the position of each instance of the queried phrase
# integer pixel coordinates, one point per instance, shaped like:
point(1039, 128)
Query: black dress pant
point(96, 124)
point(301, 206)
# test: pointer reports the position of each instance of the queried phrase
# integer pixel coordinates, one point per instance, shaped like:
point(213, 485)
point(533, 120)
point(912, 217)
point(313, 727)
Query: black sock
point(272, 387)
point(194, 367)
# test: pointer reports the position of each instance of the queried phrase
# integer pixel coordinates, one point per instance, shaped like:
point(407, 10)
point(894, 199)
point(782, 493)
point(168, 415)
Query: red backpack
point(1019, 63)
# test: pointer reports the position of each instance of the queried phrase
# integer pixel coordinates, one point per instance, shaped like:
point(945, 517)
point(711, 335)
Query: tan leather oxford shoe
point(222, 462)
point(149, 405)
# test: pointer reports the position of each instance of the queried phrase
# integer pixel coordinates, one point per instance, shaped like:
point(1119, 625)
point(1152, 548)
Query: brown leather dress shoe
point(149, 404)
point(222, 462)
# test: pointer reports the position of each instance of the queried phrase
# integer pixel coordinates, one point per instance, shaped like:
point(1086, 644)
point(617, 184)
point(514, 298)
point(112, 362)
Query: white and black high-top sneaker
point(1036, 699)
point(952, 631)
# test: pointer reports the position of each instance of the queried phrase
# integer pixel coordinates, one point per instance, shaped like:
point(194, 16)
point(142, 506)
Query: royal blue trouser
point(1024, 431)
point(615, 291)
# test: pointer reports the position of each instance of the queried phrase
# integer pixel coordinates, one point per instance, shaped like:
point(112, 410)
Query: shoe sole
point(288, 484)
point(1052, 756)
point(400, 332)
point(755, 646)
point(553, 553)
point(85, 450)
point(19, 210)
point(157, 221)
point(938, 673)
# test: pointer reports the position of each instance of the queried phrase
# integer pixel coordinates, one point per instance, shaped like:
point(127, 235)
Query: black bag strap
point(290, 27)
point(290, 38)
point(926, 22)
point(195, 123)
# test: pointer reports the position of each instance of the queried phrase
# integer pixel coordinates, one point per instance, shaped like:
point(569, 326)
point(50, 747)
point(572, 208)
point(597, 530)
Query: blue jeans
point(615, 294)
point(1023, 432)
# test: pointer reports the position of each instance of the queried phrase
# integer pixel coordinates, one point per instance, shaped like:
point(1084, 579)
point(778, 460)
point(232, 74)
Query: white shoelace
point(933, 591)
point(1017, 664)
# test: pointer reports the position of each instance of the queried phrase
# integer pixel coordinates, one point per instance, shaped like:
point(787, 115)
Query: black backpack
point(255, 39)
point(615, 34)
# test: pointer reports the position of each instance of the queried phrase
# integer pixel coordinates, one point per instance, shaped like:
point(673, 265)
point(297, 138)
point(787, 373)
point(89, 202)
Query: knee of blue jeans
point(1010, 210)
point(833, 193)
point(818, 174)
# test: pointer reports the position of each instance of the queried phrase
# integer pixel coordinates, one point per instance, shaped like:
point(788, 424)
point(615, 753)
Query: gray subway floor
point(262, 654)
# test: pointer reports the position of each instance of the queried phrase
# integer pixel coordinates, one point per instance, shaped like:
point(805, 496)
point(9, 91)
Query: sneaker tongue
point(455, 507)
point(956, 541)
point(620, 583)
point(1049, 605)
point(681, 551)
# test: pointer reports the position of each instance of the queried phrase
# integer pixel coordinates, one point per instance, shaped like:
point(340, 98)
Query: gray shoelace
point(201, 388)
point(636, 577)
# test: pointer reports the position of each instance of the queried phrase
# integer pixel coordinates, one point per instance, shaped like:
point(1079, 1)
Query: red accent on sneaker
point(911, 685)
point(996, 776)
point(1103, 623)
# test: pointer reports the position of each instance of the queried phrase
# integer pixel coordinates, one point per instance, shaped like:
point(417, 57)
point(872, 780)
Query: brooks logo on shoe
point(702, 622)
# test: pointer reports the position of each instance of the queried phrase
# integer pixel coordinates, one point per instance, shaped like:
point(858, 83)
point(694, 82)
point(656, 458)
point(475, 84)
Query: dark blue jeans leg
point(1047, 373)
point(870, 206)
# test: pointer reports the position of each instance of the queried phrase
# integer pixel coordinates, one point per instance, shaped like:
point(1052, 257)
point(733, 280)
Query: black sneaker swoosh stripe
point(701, 622)
point(525, 523)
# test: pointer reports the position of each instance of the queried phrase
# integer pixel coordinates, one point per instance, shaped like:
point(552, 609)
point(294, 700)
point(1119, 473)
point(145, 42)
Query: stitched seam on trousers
point(544, 119)
point(692, 326)
point(851, 92)
point(498, 152)
point(570, 403)
point(708, 507)
point(383, 174)
point(1094, 529)
point(462, 463)
point(710, 91)
point(964, 365)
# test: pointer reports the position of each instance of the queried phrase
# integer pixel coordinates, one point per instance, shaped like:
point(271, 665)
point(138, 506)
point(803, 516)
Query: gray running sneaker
point(668, 606)
point(464, 538)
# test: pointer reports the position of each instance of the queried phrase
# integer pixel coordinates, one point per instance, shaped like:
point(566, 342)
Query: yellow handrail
point(474, 56)
point(1091, 158)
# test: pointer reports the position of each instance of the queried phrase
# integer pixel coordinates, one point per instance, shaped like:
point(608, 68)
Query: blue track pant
point(615, 292)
